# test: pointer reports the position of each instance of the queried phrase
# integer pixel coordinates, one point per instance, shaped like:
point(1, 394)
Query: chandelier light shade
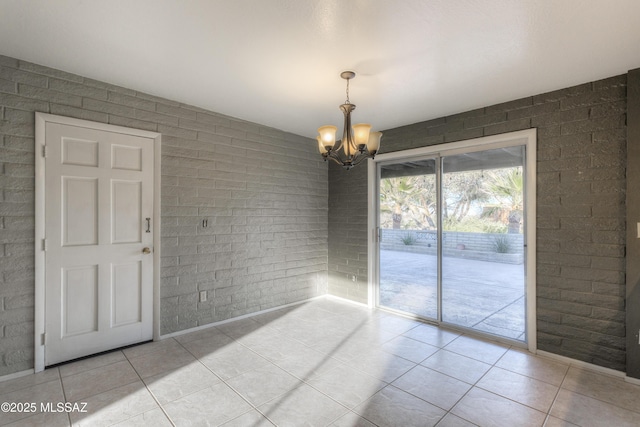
point(358, 142)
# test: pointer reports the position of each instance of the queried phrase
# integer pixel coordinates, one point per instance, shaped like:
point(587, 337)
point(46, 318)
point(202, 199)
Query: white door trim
point(40, 185)
point(528, 138)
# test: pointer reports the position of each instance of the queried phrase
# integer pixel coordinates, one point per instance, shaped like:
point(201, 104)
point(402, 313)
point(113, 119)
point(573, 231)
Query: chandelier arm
point(358, 157)
point(348, 164)
point(361, 157)
point(336, 149)
point(339, 161)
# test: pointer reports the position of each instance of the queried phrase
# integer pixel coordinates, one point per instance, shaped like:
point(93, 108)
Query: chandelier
point(358, 143)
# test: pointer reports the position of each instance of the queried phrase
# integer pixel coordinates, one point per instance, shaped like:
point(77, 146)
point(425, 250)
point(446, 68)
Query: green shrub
point(409, 239)
point(501, 244)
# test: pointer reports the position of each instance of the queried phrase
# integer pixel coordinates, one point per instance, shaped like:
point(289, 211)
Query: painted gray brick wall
point(633, 217)
point(348, 232)
point(580, 216)
point(263, 192)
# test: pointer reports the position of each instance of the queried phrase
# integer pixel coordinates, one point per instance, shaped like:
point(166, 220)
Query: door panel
point(98, 282)
point(126, 158)
point(408, 260)
point(80, 284)
point(79, 211)
point(126, 212)
point(483, 280)
point(127, 290)
point(79, 152)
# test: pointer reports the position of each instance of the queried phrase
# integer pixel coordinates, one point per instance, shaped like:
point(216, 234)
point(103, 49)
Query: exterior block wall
point(484, 242)
point(263, 192)
point(580, 211)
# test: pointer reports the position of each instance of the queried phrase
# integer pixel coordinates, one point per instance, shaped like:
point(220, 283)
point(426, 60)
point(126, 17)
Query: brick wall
point(348, 232)
point(580, 217)
point(263, 191)
point(633, 217)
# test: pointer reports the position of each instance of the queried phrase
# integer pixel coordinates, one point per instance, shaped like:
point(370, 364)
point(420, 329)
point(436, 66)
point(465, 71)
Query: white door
point(99, 239)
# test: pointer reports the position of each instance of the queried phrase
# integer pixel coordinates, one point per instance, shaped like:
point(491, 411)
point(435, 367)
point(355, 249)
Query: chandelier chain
point(347, 101)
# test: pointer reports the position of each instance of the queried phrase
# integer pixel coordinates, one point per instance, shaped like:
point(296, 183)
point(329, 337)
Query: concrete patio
point(486, 296)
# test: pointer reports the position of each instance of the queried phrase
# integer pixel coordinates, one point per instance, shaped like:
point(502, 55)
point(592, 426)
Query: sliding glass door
point(483, 285)
point(409, 237)
point(451, 244)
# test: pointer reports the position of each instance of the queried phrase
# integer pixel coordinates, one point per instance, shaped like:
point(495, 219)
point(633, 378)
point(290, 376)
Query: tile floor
point(323, 363)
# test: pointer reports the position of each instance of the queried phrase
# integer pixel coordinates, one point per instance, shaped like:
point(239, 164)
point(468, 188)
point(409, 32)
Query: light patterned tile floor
point(326, 362)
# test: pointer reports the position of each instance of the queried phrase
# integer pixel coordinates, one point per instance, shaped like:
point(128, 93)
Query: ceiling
point(277, 62)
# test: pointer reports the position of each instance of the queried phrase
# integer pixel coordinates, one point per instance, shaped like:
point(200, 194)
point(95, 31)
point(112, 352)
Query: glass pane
point(483, 283)
point(408, 244)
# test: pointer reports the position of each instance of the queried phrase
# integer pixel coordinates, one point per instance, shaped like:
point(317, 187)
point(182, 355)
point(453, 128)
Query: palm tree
point(460, 192)
point(461, 195)
point(395, 194)
point(505, 188)
point(409, 198)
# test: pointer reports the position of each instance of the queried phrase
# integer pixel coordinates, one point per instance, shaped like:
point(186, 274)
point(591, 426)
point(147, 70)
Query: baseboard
point(582, 365)
point(15, 375)
point(233, 319)
point(347, 300)
point(632, 380)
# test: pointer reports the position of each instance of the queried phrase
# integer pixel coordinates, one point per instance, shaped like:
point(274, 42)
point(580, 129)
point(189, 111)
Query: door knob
point(146, 251)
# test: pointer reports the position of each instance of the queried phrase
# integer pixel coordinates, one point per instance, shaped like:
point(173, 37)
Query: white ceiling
point(277, 62)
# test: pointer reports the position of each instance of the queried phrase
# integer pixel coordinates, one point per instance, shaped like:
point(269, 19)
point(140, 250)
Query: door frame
point(527, 138)
point(41, 120)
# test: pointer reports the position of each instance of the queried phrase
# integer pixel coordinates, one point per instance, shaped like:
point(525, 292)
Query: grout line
point(149, 391)
point(373, 344)
point(64, 393)
point(225, 381)
point(591, 372)
point(474, 385)
point(555, 398)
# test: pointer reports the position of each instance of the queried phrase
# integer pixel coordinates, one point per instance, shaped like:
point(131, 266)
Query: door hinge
point(44, 151)
point(376, 234)
point(44, 339)
point(45, 246)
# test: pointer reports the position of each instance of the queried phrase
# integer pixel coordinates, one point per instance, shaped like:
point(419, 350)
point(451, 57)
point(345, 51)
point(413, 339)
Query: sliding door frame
point(526, 138)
